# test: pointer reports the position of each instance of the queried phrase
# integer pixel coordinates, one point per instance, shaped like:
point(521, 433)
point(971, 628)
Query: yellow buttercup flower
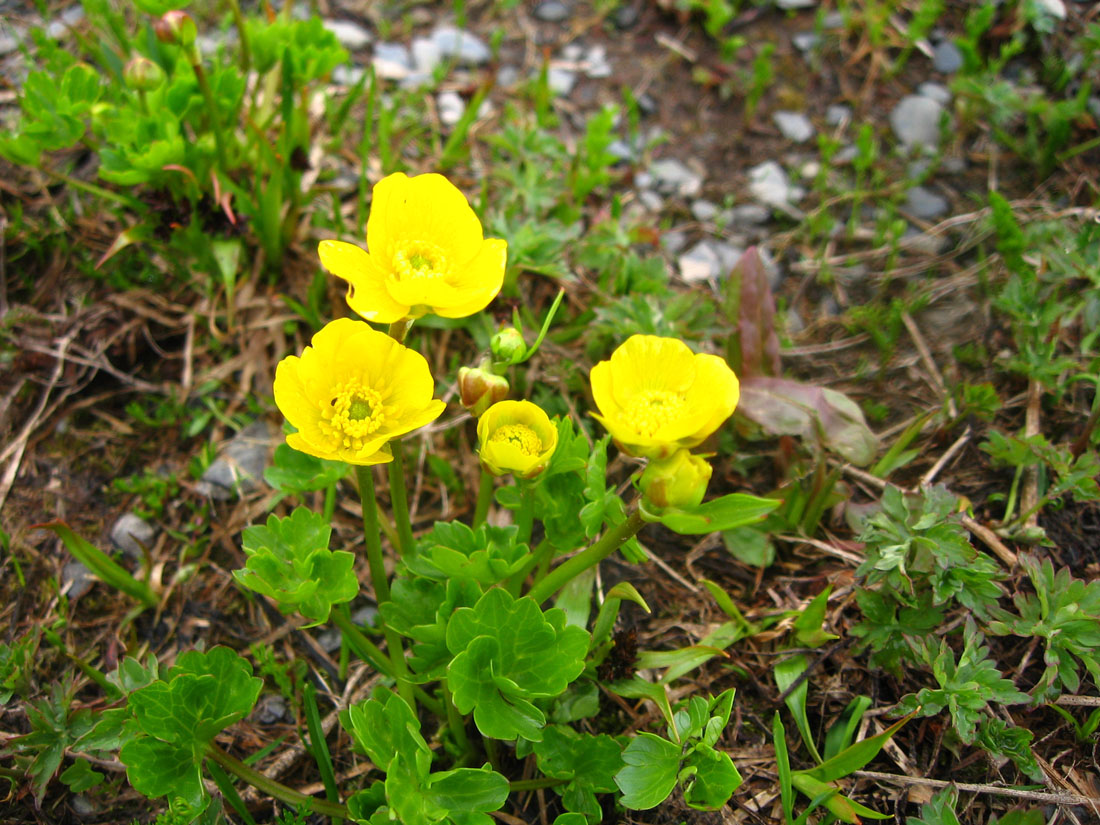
point(353, 390)
point(426, 254)
point(516, 437)
point(655, 395)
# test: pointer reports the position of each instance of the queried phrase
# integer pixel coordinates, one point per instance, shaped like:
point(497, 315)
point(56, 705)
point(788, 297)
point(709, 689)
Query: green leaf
point(588, 762)
point(507, 651)
point(289, 561)
point(725, 513)
point(158, 768)
point(101, 565)
point(843, 730)
point(750, 545)
point(386, 729)
point(467, 790)
point(786, 673)
point(488, 555)
point(809, 623)
point(296, 472)
point(652, 766)
point(854, 757)
point(80, 777)
point(714, 779)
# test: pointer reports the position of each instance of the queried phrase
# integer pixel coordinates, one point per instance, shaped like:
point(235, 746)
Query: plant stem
point(272, 788)
point(484, 498)
point(540, 558)
point(455, 720)
point(399, 329)
point(92, 189)
point(211, 106)
point(364, 648)
point(535, 784)
point(330, 503)
point(608, 543)
point(238, 21)
point(525, 515)
point(399, 499)
point(381, 583)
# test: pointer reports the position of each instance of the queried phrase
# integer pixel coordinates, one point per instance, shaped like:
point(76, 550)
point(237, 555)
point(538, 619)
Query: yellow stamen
point(419, 259)
point(355, 413)
point(521, 435)
point(653, 409)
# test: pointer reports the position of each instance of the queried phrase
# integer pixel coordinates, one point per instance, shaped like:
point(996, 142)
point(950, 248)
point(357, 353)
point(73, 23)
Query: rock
point(365, 616)
point(749, 214)
point(9, 41)
point(461, 46)
point(551, 11)
point(837, 113)
point(922, 242)
point(947, 59)
point(351, 35)
point(560, 81)
point(391, 61)
point(270, 709)
point(131, 533)
point(66, 20)
point(651, 200)
point(647, 105)
point(451, 107)
point(845, 154)
point(425, 55)
point(708, 260)
point(596, 63)
point(572, 52)
point(703, 210)
point(76, 579)
point(805, 41)
point(672, 177)
point(240, 468)
point(82, 806)
point(794, 126)
point(625, 17)
point(796, 4)
point(924, 203)
point(673, 241)
point(621, 150)
point(769, 184)
point(1056, 8)
point(938, 93)
point(833, 20)
point(329, 640)
point(347, 75)
point(507, 77)
point(916, 121)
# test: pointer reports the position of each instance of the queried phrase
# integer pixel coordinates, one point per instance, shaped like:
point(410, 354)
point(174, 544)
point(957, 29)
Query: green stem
point(330, 503)
point(364, 648)
point(540, 558)
point(211, 107)
point(535, 784)
point(399, 329)
point(92, 189)
point(242, 33)
point(484, 498)
point(381, 583)
point(492, 750)
point(455, 720)
point(525, 515)
point(272, 788)
point(399, 499)
point(609, 542)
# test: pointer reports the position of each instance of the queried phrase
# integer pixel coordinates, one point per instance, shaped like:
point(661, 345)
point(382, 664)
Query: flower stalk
point(484, 498)
point(272, 788)
point(399, 500)
point(608, 543)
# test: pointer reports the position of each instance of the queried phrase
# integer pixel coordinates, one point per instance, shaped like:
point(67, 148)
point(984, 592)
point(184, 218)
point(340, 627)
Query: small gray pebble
point(924, 203)
point(916, 121)
point(947, 59)
point(270, 709)
point(651, 200)
point(551, 11)
point(703, 210)
point(673, 241)
point(351, 35)
point(451, 107)
point(749, 214)
point(560, 81)
point(795, 4)
point(837, 113)
point(625, 17)
point(461, 45)
point(76, 579)
point(425, 54)
point(805, 41)
point(673, 177)
point(130, 532)
point(938, 93)
point(794, 126)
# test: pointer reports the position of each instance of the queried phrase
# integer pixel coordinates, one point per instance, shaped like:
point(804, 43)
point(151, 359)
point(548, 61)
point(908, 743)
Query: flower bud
point(516, 437)
point(176, 27)
point(508, 346)
point(678, 481)
point(480, 388)
point(142, 74)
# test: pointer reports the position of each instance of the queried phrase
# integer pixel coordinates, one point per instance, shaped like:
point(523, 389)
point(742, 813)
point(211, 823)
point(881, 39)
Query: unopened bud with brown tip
point(142, 74)
point(176, 27)
point(480, 389)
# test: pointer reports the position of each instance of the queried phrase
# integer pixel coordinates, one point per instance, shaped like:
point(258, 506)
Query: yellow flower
point(516, 437)
point(352, 391)
point(655, 395)
point(426, 254)
point(679, 481)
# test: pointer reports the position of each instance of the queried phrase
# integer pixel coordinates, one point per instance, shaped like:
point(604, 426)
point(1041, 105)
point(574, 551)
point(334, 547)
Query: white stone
point(425, 55)
point(794, 126)
point(351, 35)
point(451, 107)
point(916, 121)
point(769, 184)
point(461, 45)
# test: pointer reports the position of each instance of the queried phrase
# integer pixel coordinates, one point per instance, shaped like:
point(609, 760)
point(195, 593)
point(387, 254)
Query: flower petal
point(716, 386)
point(480, 281)
point(651, 363)
point(367, 294)
point(422, 208)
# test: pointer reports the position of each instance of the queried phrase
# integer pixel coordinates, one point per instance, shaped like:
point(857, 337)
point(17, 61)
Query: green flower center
point(415, 260)
point(519, 434)
point(651, 410)
point(354, 414)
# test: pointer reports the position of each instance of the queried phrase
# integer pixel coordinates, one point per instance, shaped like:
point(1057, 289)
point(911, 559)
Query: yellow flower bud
point(480, 388)
point(516, 437)
point(679, 481)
